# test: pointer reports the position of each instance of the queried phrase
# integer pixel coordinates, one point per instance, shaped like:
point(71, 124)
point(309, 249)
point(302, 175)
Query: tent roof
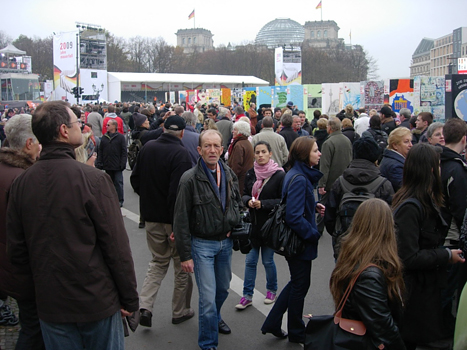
point(12, 50)
point(175, 78)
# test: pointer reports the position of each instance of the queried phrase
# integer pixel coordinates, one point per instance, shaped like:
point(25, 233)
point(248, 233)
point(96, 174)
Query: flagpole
point(321, 11)
point(194, 19)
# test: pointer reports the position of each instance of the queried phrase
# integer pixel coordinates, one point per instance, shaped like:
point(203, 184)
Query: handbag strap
point(349, 289)
point(288, 187)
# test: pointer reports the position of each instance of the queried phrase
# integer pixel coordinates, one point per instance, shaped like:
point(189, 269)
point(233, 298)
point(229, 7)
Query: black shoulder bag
point(277, 235)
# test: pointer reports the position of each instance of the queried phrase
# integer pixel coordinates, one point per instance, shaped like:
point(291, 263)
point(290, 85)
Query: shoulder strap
point(349, 289)
point(288, 187)
point(409, 200)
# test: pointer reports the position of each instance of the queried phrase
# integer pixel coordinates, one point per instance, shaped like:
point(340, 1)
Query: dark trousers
point(291, 299)
point(117, 179)
point(30, 335)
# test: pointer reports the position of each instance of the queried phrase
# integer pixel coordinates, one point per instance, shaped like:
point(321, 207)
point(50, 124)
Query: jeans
point(291, 299)
point(117, 179)
point(251, 261)
point(106, 334)
point(163, 250)
point(213, 272)
point(30, 335)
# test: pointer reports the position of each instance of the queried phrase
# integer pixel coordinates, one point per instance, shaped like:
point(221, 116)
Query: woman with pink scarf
point(263, 188)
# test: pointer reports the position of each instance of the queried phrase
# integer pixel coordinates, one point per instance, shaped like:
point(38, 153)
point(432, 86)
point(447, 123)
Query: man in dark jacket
point(287, 132)
point(304, 123)
point(454, 180)
point(424, 120)
point(155, 178)
point(404, 115)
point(64, 225)
point(206, 210)
point(112, 156)
point(362, 170)
point(388, 123)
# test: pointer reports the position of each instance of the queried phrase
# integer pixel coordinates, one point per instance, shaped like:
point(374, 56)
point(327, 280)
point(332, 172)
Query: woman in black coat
point(263, 188)
point(421, 230)
point(370, 249)
point(349, 131)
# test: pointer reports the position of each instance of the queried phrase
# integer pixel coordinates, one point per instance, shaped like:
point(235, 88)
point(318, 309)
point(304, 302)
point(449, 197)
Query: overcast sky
point(389, 30)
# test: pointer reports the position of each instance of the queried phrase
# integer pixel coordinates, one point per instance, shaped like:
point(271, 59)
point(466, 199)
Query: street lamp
point(97, 91)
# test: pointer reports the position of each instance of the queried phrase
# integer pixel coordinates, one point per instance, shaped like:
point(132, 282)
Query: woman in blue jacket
point(300, 217)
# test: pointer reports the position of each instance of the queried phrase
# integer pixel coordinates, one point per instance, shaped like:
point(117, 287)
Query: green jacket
point(198, 209)
point(336, 155)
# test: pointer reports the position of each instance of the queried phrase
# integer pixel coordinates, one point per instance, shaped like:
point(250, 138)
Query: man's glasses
point(77, 121)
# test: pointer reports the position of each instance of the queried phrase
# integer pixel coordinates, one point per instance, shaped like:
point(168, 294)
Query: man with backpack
point(362, 180)
point(139, 136)
point(375, 132)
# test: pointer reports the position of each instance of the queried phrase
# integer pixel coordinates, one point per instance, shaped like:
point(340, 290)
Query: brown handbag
point(351, 326)
point(333, 332)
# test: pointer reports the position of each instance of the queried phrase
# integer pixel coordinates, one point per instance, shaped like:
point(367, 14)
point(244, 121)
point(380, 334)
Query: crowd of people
point(390, 188)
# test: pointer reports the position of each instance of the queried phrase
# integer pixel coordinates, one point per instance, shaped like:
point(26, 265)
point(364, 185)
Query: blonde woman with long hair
point(375, 298)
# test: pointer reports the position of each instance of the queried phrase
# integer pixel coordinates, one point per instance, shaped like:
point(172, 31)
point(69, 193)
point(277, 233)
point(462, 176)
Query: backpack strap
point(371, 187)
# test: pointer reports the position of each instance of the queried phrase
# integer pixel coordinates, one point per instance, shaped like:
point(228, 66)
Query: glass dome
point(279, 32)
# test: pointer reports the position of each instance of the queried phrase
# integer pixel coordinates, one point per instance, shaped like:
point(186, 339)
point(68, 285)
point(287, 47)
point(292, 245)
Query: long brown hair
point(371, 240)
point(421, 178)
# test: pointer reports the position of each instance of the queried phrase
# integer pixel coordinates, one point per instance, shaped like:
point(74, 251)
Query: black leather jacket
point(368, 302)
point(198, 210)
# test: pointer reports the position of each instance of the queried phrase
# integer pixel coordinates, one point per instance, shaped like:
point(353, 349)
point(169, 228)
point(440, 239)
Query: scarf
point(263, 172)
point(220, 189)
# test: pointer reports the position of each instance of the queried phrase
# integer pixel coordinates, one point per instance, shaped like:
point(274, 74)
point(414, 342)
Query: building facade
point(421, 58)
point(322, 34)
point(196, 39)
point(438, 57)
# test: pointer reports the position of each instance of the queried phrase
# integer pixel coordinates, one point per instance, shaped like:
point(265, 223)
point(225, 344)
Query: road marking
point(236, 284)
point(130, 215)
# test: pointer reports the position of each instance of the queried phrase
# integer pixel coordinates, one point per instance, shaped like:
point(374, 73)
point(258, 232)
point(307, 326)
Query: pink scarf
point(262, 173)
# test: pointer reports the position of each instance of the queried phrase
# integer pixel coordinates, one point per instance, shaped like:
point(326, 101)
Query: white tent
point(12, 50)
point(118, 82)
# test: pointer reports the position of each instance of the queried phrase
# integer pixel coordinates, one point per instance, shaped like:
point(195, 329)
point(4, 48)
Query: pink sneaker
point(243, 304)
point(270, 298)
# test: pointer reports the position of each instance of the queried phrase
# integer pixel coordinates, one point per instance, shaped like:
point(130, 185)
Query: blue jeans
point(213, 272)
point(117, 179)
point(291, 299)
point(251, 261)
point(106, 334)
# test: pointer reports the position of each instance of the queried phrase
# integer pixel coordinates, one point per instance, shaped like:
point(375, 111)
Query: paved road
point(245, 324)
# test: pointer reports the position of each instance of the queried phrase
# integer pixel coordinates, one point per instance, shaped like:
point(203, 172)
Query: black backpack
point(353, 196)
point(134, 149)
point(381, 139)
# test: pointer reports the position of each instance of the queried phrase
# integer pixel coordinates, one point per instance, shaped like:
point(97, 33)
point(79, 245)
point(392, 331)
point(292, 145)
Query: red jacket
point(117, 118)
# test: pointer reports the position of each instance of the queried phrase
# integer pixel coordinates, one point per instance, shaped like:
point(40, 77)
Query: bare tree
point(117, 55)
point(373, 69)
point(5, 39)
